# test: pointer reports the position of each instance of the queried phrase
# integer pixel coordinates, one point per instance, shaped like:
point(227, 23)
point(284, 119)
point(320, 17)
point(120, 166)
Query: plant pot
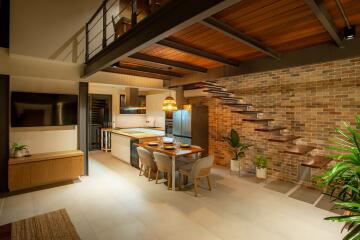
point(261, 173)
point(235, 165)
point(19, 154)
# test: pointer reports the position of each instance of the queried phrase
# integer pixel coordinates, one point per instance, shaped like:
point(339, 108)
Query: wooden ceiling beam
point(318, 8)
point(169, 19)
point(228, 30)
point(134, 73)
point(312, 55)
point(198, 52)
point(148, 70)
point(153, 59)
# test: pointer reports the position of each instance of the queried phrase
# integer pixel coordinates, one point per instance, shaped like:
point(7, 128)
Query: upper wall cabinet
point(139, 109)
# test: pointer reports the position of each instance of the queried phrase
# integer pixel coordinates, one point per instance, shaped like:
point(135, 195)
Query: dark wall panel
point(4, 23)
point(4, 130)
point(83, 128)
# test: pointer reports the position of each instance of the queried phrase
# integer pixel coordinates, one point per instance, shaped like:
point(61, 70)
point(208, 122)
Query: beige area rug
point(49, 226)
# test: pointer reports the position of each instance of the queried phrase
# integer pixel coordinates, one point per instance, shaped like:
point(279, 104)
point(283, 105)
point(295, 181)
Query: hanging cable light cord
point(343, 13)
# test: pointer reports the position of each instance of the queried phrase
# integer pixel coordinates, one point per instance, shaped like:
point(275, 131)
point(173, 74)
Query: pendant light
point(169, 104)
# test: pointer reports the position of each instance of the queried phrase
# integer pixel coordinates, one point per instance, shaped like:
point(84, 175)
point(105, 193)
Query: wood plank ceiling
point(282, 25)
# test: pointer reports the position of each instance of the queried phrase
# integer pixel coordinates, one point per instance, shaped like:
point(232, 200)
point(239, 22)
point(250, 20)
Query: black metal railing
point(99, 26)
point(101, 30)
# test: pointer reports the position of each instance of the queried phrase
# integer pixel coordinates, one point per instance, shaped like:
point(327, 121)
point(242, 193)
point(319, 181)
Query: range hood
point(132, 99)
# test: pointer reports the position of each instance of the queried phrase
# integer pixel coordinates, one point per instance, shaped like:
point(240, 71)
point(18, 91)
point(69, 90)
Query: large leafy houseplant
point(238, 149)
point(343, 178)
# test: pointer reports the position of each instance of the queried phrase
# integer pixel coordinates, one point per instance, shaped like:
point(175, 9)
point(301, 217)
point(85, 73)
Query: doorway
point(100, 114)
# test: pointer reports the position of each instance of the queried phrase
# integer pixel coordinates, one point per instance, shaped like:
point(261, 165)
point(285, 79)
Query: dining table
point(175, 153)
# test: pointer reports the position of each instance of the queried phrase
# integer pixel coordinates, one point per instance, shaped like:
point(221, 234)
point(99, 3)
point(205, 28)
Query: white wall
point(40, 28)
point(154, 108)
point(130, 120)
point(44, 139)
point(41, 139)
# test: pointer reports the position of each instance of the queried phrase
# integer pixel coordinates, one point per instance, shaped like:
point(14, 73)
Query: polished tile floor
point(115, 203)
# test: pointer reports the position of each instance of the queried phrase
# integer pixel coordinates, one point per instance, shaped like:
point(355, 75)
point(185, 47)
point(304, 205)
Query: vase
point(18, 154)
point(235, 165)
point(261, 173)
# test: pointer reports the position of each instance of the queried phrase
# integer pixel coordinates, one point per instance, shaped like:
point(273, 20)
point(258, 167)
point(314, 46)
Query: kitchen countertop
point(139, 133)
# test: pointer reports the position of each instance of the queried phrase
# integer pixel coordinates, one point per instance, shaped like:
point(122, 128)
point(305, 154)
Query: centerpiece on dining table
point(168, 144)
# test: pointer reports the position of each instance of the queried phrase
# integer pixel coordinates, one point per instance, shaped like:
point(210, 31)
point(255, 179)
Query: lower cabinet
point(52, 169)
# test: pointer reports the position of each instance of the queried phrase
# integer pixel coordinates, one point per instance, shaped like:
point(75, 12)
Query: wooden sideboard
point(44, 168)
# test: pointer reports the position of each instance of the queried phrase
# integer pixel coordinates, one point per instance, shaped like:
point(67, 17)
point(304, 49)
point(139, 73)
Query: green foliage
point(238, 148)
point(18, 147)
point(351, 221)
point(261, 161)
point(342, 179)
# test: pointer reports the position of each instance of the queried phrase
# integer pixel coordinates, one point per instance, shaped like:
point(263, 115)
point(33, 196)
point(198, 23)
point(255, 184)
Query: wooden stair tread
point(209, 81)
point(213, 88)
point(237, 104)
point(258, 119)
point(228, 98)
point(211, 85)
point(247, 112)
point(316, 162)
point(269, 129)
point(283, 138)
point(218, 91)
point(298, 149)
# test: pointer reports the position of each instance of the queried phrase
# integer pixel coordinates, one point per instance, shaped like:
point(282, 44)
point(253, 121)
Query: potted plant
point(342, 180)
point(261, 166)
point(18, 150)
point(238, 150)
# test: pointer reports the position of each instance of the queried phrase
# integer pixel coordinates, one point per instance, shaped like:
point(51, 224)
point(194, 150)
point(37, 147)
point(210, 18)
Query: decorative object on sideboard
point(19, 150)
point(238, 150)
point(261, 163)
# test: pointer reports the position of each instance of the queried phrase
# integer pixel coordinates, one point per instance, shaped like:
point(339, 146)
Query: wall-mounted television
point(43, 109)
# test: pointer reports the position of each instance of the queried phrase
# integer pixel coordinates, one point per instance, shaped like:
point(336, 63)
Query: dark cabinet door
point(134, 157)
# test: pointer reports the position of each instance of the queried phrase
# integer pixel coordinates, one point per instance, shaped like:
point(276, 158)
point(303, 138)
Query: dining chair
point(146, 161)
point(164, 165)
point(199, 169)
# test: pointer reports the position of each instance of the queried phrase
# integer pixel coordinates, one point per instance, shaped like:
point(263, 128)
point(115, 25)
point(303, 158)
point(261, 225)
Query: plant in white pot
point(261, 162)
point(238, 150)
point(18, 150)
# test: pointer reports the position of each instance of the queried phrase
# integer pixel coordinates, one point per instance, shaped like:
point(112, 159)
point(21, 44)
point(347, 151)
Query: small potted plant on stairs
point(238, 150)
point(18, 150)
point(261, 166)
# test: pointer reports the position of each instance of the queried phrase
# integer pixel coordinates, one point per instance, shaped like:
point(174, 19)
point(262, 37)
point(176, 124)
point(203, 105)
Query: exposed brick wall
point(311, 101)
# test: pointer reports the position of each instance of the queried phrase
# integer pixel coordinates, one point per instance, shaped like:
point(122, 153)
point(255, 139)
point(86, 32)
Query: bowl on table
point(169, 147)
point(152, 144)
point(184, 145)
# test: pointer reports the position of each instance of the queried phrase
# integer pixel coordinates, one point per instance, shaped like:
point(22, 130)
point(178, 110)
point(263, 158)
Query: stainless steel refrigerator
point(192, 126)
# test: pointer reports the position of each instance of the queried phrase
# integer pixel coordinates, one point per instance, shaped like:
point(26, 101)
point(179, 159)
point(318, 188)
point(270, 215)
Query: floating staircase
point(230, 99)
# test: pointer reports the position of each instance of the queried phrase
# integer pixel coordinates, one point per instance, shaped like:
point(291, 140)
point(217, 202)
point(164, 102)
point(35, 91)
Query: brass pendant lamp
point(169, 104)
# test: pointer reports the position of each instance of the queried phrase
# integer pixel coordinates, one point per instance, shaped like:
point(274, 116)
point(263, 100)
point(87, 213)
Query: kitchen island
point(123, 140)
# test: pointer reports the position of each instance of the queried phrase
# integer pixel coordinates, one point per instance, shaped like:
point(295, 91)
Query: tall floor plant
point(343, 178)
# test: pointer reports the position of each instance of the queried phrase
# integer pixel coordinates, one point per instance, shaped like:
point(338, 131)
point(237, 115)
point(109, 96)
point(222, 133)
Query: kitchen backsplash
point(128, 120)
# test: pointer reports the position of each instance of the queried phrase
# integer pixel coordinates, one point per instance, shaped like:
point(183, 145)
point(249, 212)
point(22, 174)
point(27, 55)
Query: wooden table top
point(176, 152)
